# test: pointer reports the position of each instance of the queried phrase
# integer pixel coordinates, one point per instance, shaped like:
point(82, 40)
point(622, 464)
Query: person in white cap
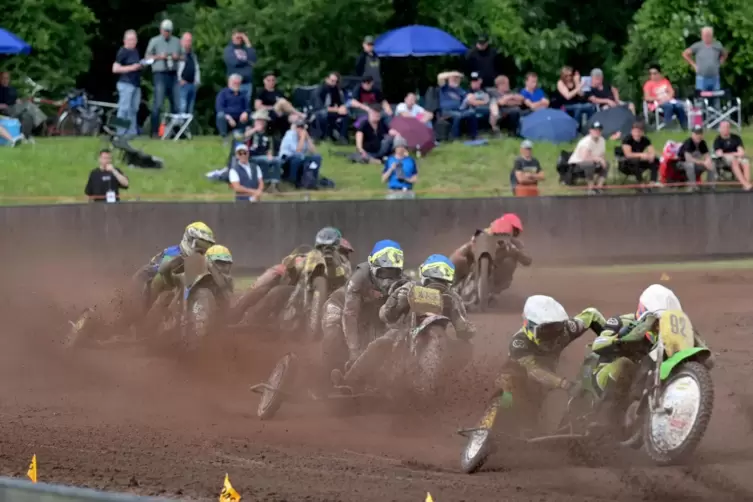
point(526, 172)
point(166, 51)
point(246, 179)
point(590, 157)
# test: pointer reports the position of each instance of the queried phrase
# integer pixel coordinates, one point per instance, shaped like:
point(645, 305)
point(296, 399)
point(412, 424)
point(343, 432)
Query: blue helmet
point(437, 267)
point(386, 254)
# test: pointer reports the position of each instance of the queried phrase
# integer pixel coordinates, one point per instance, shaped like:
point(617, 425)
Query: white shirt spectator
point(597, 147)
point(415, 111)
point(234, 178)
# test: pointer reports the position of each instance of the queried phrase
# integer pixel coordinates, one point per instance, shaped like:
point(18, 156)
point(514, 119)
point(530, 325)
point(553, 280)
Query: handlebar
point(35, 86)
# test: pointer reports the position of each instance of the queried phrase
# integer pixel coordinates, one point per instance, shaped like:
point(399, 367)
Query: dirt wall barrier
point(614, 229)
point(16, 490)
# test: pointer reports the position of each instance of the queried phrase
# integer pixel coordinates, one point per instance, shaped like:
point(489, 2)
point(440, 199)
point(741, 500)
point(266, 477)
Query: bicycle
point(74, 116)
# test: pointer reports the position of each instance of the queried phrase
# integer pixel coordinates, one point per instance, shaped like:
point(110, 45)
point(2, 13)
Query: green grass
point(55, 169)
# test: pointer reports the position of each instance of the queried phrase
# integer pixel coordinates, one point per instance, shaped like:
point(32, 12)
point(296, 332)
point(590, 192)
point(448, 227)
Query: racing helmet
point(345, 246)
point(221, 257)
point(544, 320)
point(386, 262)
point(198, 237)
point(437, 267)
point(514, 220)
point(656, 299)
point(500, 226)
point(328, 236)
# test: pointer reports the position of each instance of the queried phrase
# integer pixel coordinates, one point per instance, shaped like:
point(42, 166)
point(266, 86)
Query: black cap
point(698, 129)
point(367, 78)
point(483, 38)
point(475, 76)
point(597, 125)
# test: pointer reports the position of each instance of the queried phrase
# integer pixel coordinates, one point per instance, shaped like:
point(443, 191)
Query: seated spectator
point(534, 97)
point(505, 107)
point(374, 139)
point(260, 150)
point(400, 172)
point(658, 92)
point(452, 102)
point(571, 98)
point(409, 108)
point(590, 157)
point(231, 106)
point(639, 155)
point(281, 111)
point(695, 159)
point(246, 180)
point(526, 172)
point(298, 152)
point(367, 98)
point(478, 99)
point(334, 111)
point(603, 95)
point(729, 149)
point(105, 181)
point(29, 114)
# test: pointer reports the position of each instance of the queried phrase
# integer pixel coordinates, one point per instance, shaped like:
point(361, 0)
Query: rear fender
point(698, 353)
point(426, 322)
point(203, 281)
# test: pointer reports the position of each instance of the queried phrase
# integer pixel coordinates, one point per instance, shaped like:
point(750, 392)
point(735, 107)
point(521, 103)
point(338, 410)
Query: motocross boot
point(608, 411)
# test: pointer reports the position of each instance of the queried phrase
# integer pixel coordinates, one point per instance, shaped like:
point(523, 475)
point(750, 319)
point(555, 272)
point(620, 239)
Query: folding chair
point(718, 106)
point(176, 124)
point(653, 114)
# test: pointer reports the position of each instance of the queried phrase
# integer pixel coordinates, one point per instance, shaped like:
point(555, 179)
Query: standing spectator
point(526, 172)
point(640, 155)
point(231, 106)
point(400, 172)
point(482, 59)
point(281, 111)
point(604, 95)
point(478, 99)
point(571, 96)
point(706, 58)
point(505, 106)
point(409, 108)
point(334, 111)
point(189, 75)
point(105, 181)
point(729, 149)
point(246, 180)
point(29, 114)
point(590, 157)
point(260, 149)
point(128, 65)
point(658, 92)
point(373, 140)
point(368, 98)
point(367, 64)
point(694, 158)
point(452, 102)
point(166, 51)
point(534, 98)
point(240, 59)
point(298, 152)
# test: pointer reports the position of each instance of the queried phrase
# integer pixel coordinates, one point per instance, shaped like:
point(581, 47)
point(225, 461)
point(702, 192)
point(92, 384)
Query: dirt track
point(128, 420)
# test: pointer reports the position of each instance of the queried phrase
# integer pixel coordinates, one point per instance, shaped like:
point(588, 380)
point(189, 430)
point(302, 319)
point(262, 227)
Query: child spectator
point(400, 172)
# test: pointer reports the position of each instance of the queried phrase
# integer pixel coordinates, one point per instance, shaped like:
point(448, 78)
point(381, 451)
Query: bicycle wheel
point(67, 124)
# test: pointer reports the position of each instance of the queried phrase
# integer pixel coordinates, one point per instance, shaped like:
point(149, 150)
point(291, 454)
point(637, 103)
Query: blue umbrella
point(11, 44)
point(553, 126)
point(418, 40)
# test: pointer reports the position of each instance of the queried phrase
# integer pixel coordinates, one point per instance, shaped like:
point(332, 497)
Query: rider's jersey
point(166, 264)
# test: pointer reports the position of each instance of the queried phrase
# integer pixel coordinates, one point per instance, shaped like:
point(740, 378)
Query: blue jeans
point(457, 117)
point(165, 86)
point(187, 98)
point(580, 110)
point(707, 83)
point(129, 99)
point(328, 121)
point(671, 109)
point(297, 163)
point(249, 90)
point(270, 168)
point(223, 127)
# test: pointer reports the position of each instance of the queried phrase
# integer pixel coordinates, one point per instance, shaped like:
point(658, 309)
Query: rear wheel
point(482, 283)
point(318, 297)
point(279, 382)
point(67, 125)
point(201, 311)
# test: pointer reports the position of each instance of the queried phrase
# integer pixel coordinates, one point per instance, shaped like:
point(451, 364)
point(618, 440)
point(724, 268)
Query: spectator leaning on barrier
point(482, 59)
point(658, 92)
point(453, 103)
point(534, 98)
point(333, 111)
point(231, 106)
point(640, 155)
point(400, 171)
point(367, 64)
point(730, 153)
point(240, 58)
point(260, 150)
point(526, 172)
point(590, 157)
point(128, 66)
point(189, 76)
point(604, 95)
point(695, 158)
point(706, 58)
point(409, 108)
point(166, 52)
point(246, 179)
point(298, 153)
point(505, 107)
point(106, 181)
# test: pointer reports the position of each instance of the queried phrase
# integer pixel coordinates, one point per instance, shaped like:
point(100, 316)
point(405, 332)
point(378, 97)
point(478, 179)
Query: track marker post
point(228, 493)
point(32, 472)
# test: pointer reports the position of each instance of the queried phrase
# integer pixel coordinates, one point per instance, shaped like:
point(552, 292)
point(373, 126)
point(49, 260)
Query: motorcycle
point(476, 288)
point(668, 413)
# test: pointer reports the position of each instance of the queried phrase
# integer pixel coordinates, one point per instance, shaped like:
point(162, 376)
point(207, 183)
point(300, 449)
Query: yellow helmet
point(219, 253)
point(197, 237)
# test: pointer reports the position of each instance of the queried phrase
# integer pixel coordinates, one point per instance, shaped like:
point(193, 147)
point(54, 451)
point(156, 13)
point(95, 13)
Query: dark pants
point(580, 110)
point(385, 148)
point(509, 118)
point(223, 126)
point(271, 168)
point(165, 86)
point(632, 167)
point(671, 109)
point(328, 122)
point(294, 166)
point(457, 117)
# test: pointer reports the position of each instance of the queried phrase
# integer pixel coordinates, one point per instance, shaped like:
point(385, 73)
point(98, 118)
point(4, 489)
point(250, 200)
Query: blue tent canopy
point(417, 40)
point(11, 44)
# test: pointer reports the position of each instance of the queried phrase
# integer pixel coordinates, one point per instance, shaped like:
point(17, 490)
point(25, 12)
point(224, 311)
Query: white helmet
point(545, 319)
point(657, 299)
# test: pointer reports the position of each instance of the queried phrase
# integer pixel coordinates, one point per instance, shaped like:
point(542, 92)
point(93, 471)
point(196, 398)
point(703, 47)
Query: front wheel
point(483, 283)
point(201, 310)
point(673, 431)
point(277, 384)
point(318, 297)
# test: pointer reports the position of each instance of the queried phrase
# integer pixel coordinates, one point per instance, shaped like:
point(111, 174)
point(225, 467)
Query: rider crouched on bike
point(351, 313)
point(507, 257)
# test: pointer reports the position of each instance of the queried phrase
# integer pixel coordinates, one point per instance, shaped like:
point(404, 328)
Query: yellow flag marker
point(428, 497)
point(228, 493)
point(664, 277)
point(32, 472)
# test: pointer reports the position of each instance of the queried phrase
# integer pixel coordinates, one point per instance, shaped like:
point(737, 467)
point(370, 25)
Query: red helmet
point(500, 226)
point(345, 246)
point(513, 220)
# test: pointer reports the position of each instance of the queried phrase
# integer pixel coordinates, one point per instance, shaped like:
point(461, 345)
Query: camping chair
point(653, 114)
point(176, 125)
point(624, 170)
point(718, 106)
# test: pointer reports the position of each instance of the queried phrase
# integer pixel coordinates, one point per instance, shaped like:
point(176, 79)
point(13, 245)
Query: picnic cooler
point(13, 126)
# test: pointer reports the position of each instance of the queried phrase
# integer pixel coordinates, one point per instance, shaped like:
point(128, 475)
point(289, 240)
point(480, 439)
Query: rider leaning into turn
point(509, 225)
point(220, 260)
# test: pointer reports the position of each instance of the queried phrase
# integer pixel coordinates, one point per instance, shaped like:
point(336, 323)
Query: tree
point(58, 32)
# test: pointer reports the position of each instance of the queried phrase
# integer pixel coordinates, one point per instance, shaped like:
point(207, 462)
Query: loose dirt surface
point(132, 419)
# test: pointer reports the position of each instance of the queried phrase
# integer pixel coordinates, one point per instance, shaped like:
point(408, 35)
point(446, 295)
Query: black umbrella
point(614, 120)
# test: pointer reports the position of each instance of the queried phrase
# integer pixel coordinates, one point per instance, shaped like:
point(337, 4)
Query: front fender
point(668, 365)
